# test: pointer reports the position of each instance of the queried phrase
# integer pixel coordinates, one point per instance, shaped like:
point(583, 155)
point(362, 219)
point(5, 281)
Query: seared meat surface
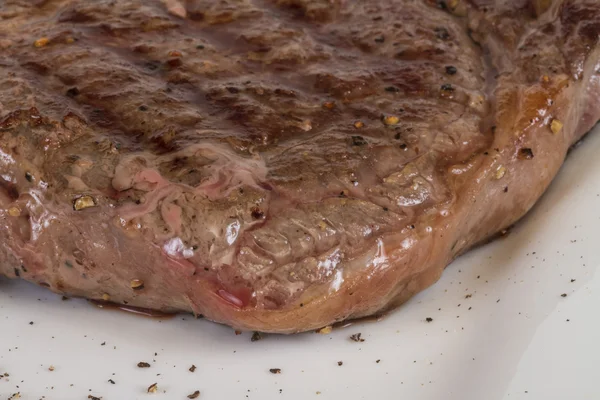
point(278, 165)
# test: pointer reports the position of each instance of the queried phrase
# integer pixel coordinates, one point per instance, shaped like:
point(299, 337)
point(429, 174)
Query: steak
point(278, 165)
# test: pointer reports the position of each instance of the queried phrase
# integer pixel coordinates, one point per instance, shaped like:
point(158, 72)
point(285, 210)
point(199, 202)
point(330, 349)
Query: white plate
point(516, 337)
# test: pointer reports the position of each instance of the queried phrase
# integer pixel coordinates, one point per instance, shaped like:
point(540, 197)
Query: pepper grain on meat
point(137, 284)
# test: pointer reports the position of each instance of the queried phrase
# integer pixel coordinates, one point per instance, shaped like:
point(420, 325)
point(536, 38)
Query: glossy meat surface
point(278, 165)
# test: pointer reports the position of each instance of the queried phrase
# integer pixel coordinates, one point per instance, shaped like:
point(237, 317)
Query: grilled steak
point(278, 165)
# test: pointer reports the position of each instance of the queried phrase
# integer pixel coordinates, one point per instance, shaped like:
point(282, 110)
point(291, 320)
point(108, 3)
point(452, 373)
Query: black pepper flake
point(257, 213)
point(563, 295)
point(506, 189)
point(403, 146)
point(340, 363)
point(72, 92)
point(29, 177)
point(451, 70)
point(192, 368)
point(143, 108)
point(200, 47)
point(68, 264)
point(380, 39)
point(442, 5)
point(572, 280)
point(525, 153)
point(232, 90)
point(357, 337)
point(256, 336)
point(392, 89)
point(94, 397)
point(446, 87)
point(143, 364)
point(358, 141)
point(429, 319)
point(275, 370)
point(385, 209)
point(17, 273)
point(442, 33)
point(111, 382)
point(194, 395)
point(377, 361)
point(103, 344)
point(31, 323)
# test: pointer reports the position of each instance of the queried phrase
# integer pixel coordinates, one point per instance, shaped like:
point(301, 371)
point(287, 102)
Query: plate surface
point(515, 319)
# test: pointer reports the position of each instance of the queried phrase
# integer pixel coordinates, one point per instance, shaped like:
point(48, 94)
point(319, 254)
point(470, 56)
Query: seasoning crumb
point(255, 337)
point(153, 388)
point(359, 124)
point(442, 33)
point(325, 330)
point(556, 126)
point(106, 297)
point(143, 364)
point(358, 141)
point(451, 70)
point(192, 368)
point(340, 363)
point(194, 395)
point(357, 337)
point(275, 370)
point(563, 295)
point(329, 105)
point(526, 153)
point(41, 42)
point(429, 319)
point(391, 120)
point(137, 284)
point(500, 172)
point(83, 202)
point(447, 87)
